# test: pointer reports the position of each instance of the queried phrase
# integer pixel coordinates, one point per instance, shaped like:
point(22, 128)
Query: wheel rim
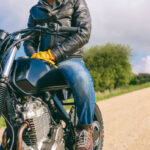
point(97, 135)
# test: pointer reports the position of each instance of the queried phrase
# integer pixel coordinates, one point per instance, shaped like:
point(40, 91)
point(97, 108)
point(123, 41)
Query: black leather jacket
point(68, 13)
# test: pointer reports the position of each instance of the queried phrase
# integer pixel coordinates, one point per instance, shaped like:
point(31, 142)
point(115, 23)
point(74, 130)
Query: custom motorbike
point(30, 100)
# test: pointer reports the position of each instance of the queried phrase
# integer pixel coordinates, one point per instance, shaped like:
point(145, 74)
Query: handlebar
point(7, 43)
point(57, 29)
point(68, 29)
point(44, 29)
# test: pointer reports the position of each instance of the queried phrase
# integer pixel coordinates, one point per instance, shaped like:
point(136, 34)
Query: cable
point(25, 38)
point(6, 46)
point(4, 41)
point(21, 31)
point(13, 45)
point(13, 134)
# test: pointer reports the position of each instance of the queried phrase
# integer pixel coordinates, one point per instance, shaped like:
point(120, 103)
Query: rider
point(67, 54)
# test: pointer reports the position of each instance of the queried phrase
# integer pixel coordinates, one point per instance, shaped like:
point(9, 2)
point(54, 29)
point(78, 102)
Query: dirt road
point(127, 121)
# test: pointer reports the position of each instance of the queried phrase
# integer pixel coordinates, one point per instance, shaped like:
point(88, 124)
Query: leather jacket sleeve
point(31, 45)
point(81, 18)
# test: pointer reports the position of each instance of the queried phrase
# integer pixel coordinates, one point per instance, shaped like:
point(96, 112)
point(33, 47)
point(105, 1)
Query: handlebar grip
point(68, 29)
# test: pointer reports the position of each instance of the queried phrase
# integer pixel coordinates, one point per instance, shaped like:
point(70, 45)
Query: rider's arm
point(31, 45)
point(81, 18)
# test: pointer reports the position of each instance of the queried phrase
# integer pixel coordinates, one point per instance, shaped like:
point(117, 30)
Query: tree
point(109, 65)
point(143, 77)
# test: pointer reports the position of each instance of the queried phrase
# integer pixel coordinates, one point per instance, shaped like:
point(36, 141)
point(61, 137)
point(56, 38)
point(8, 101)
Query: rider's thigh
point(76, 75)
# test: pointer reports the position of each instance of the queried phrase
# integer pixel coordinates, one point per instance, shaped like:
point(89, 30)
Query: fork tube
point(10, 60)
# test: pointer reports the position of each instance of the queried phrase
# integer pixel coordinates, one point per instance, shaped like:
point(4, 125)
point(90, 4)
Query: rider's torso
point(63, 12)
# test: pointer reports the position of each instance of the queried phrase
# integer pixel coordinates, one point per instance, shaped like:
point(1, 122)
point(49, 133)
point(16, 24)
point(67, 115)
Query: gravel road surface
point(127, 121)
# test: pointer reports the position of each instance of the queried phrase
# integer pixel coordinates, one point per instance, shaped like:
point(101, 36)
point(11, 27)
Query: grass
point(2, 122)
point(105, 95)
point(112, 93)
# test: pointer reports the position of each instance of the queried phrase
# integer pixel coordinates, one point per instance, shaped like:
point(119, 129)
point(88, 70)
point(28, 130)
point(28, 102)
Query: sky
point(118, 21)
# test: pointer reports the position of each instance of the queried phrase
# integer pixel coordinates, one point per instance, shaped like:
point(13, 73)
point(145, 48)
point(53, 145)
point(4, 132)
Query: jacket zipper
point(51, 42)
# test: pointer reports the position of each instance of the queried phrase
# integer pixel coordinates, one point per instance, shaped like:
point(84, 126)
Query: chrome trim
point(10, 60)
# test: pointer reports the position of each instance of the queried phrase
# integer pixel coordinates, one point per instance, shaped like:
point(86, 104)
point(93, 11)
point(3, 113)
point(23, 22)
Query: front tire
point(98, 129)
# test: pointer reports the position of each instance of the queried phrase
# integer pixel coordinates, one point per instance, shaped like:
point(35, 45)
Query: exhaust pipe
point(20, 134)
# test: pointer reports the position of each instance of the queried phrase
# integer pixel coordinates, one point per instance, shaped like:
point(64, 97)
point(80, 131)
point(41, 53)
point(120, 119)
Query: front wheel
point(98, 129)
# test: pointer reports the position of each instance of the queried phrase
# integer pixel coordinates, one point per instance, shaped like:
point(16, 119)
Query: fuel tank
point(32, 76)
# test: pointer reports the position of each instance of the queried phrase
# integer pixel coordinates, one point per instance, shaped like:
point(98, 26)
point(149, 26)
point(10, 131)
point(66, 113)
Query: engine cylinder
point(37, 114)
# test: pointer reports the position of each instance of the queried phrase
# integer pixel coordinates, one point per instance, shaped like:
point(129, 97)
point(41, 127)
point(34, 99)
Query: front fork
point(4, 82)
point(5, 74)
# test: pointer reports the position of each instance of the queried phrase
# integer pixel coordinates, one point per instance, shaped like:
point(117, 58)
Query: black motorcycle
point(32, 99)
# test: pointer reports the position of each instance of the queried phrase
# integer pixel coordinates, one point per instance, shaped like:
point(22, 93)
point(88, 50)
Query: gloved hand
point(45, 55)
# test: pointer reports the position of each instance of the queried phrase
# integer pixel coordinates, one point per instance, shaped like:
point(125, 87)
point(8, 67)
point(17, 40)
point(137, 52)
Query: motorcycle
point(30, 103)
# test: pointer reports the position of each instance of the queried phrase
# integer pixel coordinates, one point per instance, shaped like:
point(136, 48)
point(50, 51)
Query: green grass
point(105, 95)
point(2, 122)
point(109, 94)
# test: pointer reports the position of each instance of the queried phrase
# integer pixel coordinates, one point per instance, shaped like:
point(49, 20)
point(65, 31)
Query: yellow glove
point(45, 55)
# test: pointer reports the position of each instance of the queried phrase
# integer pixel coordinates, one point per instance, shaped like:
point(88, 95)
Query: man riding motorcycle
point(67, 54)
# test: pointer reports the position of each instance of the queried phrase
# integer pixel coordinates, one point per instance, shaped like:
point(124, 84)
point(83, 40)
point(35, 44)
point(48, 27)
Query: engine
point(41, 134)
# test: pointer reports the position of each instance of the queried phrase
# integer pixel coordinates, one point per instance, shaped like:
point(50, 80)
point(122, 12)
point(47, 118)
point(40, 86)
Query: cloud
point(119, 21)
point(14, 14)
point(123, 21)
point(143, 65)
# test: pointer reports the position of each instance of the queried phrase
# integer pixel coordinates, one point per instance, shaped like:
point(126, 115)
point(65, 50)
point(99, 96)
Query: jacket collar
point(43, 2)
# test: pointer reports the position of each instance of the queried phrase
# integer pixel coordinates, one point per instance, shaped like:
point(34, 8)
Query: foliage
point(109, 65)
point(134, 80)
point(123, 90)
point(140, 79)
point(143, 77)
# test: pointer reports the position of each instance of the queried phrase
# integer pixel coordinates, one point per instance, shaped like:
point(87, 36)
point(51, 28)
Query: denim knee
point(82, 83)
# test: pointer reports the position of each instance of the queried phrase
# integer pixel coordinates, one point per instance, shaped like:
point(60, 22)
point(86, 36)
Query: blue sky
point(119, 21)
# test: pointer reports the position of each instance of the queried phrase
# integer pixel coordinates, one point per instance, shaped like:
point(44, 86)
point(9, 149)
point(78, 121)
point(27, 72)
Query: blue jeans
point(81, 83)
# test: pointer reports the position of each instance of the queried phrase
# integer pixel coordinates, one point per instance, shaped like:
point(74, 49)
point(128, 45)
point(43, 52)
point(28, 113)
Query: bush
point(143, 78)
point(134, 80)
point(109, 65)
